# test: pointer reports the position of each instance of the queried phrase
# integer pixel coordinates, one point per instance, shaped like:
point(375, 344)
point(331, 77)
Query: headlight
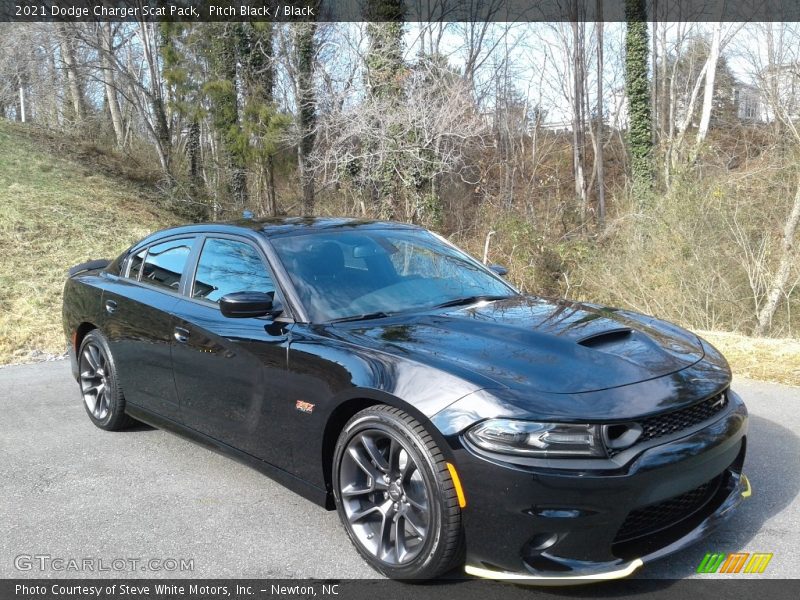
point(543, 440)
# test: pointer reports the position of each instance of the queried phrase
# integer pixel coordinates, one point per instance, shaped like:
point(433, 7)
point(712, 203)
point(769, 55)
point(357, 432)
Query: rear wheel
point(102, 396)
point(395, 496)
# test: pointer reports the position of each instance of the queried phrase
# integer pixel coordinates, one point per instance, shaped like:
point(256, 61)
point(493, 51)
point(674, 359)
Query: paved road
point(68, 489)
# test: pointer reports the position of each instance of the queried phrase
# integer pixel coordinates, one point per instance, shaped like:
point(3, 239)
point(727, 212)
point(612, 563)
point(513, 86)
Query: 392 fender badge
point(304, 406)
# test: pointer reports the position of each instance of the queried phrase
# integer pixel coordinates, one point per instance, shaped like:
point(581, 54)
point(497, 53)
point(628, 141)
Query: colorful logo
point(736, 562)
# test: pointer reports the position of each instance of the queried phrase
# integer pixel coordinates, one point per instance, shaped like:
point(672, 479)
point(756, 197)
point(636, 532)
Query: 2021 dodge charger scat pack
point(376, 369)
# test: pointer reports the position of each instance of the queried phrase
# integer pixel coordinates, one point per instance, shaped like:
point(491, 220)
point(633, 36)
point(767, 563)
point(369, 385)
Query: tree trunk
point(383, 76)
point(308, 187)
point(272, 197)
point(156, 96)
point(53, 101)
point(161, 127)
point(654, 108)
point(22, 102)
point(193, 154)
point(598, 138)
point(708, 94)
point(239, 187)
point(787, 261)
point(305, 49)
point(224, 106)
point(664, 103)
point(257, 75)
point(107, 44)
point(687, 120)
point(74, 82)
point(578, 117)
point(637, 88)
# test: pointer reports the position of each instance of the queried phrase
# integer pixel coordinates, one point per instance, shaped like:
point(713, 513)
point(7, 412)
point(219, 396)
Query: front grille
point(678, 420)
point(650, 519)
point(666, 424)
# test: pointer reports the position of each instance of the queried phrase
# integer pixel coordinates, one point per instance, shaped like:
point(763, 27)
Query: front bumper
point(549, 526)
point(603, 572)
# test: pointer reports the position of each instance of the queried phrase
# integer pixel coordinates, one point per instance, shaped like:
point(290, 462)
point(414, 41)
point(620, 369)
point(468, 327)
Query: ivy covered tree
point(223, 75)
point(384, 68)
point(637, 89)
point(263, 124)
point(183, 75)
point(384, 59)
point(221, 91)
point(305, 51)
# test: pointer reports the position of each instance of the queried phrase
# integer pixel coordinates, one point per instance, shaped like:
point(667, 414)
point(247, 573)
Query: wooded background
point(642, 164)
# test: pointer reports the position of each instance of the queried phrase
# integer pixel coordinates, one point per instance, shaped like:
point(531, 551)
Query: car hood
point(531, 344)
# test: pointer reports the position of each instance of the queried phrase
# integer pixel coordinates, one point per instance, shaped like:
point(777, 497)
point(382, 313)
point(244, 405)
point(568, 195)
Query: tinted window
point(342, 274)
point(228, 266)
point(164, 263)
point(136, 264)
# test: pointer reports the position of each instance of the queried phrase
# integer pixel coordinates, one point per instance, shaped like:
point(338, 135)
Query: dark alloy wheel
point(101, 394)
point(395, 496)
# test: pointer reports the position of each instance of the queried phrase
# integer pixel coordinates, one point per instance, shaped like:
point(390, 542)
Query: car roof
point(280, 226)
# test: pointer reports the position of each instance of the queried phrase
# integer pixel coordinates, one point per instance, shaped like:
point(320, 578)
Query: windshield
point(352, 274)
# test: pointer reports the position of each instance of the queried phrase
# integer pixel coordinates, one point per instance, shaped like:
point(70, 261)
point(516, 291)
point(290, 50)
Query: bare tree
point(105, 33)
point(777, 287)
point(66, 41)
point(778, 77)
point(430, 134)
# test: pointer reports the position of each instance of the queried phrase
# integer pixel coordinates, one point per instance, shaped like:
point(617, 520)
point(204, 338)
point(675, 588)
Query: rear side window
point(163, 264)
point(228, 266)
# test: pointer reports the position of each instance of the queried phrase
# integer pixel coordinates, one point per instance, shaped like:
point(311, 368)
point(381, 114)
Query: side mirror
point(499, 270)
point(240, 305)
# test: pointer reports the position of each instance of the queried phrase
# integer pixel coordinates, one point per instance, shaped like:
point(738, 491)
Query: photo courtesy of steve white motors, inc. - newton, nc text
point(399, 299)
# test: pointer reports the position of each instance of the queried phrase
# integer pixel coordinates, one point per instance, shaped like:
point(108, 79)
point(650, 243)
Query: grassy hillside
point(56, 212)
point(63, 202)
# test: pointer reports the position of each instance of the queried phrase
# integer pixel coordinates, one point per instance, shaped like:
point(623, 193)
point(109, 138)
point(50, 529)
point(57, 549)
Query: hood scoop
point(628, 344)
point(601, 341)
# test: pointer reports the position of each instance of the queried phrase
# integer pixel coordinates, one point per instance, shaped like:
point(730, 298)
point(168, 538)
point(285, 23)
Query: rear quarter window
point(135, 264)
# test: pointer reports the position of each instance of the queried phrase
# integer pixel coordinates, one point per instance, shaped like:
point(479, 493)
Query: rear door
point(230, 372)
point(139, 308)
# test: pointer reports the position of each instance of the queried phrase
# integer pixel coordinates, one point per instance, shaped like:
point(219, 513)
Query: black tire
point(97, 378)
point(431, 540)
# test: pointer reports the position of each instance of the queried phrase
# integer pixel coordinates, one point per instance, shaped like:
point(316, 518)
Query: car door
point(140, 322)
point(229, 372)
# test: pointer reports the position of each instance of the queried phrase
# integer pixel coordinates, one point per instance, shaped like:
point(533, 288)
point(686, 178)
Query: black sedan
point(376, 369)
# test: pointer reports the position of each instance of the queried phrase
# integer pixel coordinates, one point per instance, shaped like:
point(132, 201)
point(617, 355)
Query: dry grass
point(55, 213)
point(768, 359)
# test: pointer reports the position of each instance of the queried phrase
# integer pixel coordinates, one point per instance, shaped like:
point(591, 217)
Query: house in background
point(749, 102)
point(750, 105)
point(780, 87)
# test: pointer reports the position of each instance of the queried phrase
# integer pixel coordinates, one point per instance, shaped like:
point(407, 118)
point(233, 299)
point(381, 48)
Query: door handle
point(111, 307)
point(181, 334)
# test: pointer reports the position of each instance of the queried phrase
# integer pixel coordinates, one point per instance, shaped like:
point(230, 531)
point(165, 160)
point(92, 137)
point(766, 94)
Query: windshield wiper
point(364, 317)
point(469, 300)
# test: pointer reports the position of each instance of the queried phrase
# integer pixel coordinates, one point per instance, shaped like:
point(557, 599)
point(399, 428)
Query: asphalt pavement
point(72, 491)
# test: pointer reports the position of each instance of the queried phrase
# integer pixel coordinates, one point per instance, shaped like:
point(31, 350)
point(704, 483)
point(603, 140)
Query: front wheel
point(395, 496)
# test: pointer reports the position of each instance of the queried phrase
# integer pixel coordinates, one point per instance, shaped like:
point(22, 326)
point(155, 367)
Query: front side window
point(228, 266)
point(344, 274)
point(163, 264)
